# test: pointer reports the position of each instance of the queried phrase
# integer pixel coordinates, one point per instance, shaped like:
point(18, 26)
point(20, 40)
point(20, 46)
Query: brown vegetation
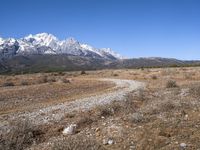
point(161, 116)
point(22, 135)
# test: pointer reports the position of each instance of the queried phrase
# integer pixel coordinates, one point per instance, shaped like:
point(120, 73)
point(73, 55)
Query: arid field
point(130, 109)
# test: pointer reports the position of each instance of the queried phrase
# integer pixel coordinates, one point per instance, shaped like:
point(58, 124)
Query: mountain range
point(45, 53)
point(44, 43)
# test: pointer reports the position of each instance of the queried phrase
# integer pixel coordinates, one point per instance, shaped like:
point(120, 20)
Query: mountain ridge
point(46, 53)
point(45, 43)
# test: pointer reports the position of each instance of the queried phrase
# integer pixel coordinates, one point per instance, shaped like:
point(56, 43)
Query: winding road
point(56, 112)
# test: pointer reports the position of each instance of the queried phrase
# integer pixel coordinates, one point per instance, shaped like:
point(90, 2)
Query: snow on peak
point(110, 51)
point(42, 37)
point(90, 48)
point(1, 41)
point(72, 40)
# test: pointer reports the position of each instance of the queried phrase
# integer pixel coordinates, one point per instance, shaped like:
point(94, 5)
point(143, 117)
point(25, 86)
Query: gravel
point(47, 115)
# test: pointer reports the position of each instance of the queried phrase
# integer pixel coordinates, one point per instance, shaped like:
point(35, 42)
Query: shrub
point(141, 95)
point(21, 135)
point(115, 75)
point(195, 90)
point(43, 79)
point(77, 142)
point(24, 83)
point(136, 118)
point(51, 79)
point(154, 77)
point(104, 110)
point(128, 104)
point(64, 80)
point(84, 119)
point(171, 84)
point(8, 84)
point(83, 72)
point(168, 106)
point(61, 73)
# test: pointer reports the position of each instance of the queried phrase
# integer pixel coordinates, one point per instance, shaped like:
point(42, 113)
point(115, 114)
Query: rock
point(97, 134)
point(104, 124)
point(71, 129)
point(183, 145)
point(132, 147)
point(186, 117)
point(97, 130)
point(110, 142)
point(136, 117)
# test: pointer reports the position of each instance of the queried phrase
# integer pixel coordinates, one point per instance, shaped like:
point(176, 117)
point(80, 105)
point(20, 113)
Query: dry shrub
point(51, 79)
point(154, 77)
point(61, 73)
point(188, 76)
point(195, 90)
point(128, 105)
point(140, 95)
point(77, 142)
point(168, 106)
point(45, 79)
point(169, 71)
point(115, 75)
point(21, 135)
point(42, 79)
point(136, 118)
point(116, 107)
point(104, 110)
point(23, 82)
point(84, 119)
point(64, 80)
point(171, 84)
point(83, 72)
point(8, 83)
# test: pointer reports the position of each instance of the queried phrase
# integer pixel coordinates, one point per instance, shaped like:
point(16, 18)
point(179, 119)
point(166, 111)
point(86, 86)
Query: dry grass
point(21, 135)
point(104, 110)
point(8, 84)
point(195, 90)
point(64, 80)
point(23, 82)
point(85, 119)
point(155, 118)
point(19, 98)
point(42, 79)
point(77, 142)
point(51, 79)
point(136, 118)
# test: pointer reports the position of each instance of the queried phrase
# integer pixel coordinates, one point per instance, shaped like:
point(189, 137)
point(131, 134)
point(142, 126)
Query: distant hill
point(50, 63)
point(66, 62)
point(148, 62)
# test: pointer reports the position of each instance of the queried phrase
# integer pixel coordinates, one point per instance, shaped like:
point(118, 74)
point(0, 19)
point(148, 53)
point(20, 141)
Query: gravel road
point(55, 113)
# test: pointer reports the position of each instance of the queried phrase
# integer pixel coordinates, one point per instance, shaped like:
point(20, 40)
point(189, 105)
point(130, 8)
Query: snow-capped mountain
point(44, 43)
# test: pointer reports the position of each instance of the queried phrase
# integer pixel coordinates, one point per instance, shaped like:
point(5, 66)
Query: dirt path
point(57, 112)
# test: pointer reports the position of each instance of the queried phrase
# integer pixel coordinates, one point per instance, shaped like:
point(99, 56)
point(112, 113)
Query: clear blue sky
point(133, 28)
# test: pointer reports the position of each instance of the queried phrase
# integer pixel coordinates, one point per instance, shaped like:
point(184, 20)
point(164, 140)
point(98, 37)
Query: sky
point(133, 28)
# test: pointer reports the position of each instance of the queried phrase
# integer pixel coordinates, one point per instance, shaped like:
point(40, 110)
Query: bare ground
point(164, 115)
